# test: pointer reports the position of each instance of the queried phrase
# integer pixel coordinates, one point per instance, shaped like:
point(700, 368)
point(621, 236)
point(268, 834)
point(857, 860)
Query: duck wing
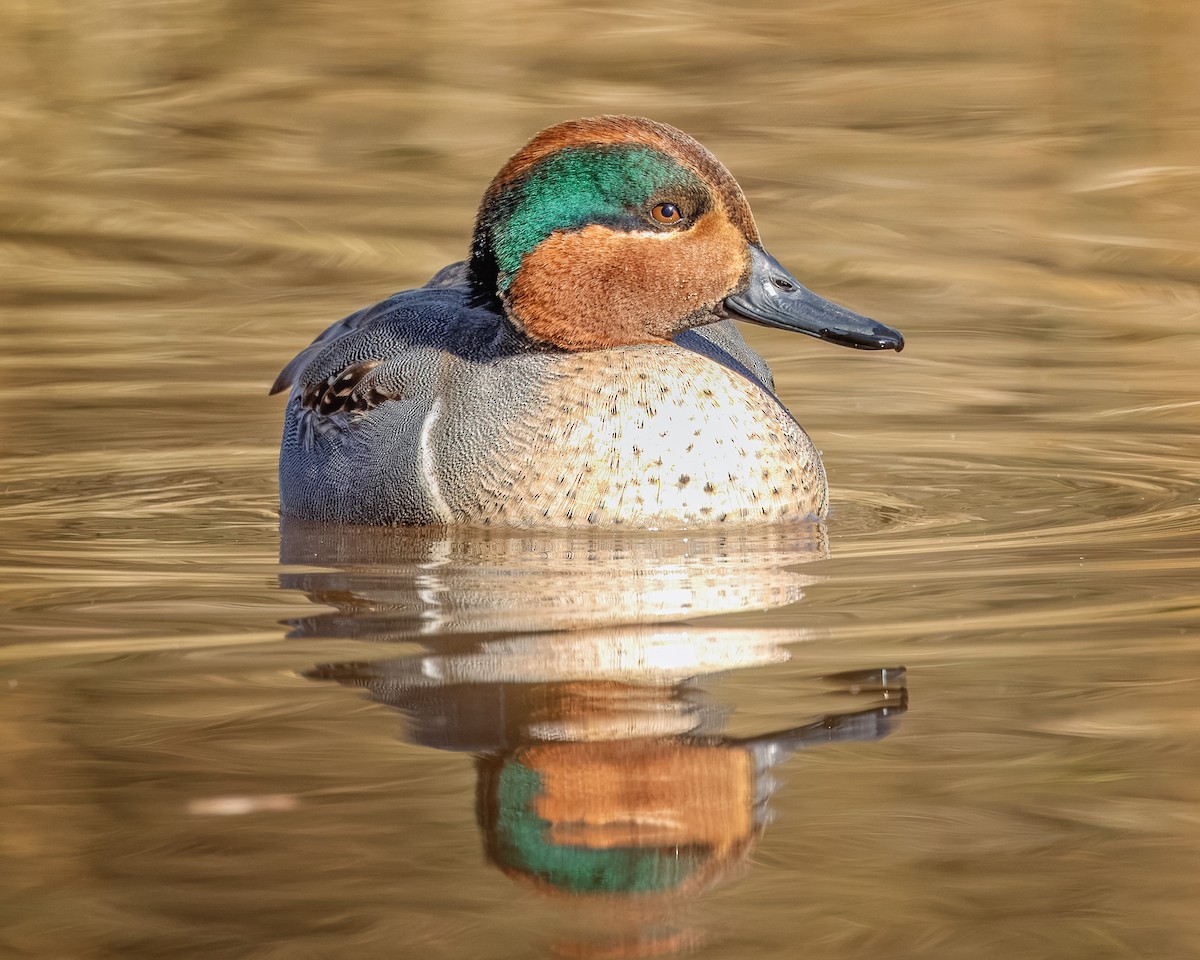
point(723, 343)
point(452, 277)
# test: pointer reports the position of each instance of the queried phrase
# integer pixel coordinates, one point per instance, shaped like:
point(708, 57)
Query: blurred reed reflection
point(605, 780)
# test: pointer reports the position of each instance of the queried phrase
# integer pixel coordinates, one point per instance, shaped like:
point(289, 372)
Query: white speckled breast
point(653, 436)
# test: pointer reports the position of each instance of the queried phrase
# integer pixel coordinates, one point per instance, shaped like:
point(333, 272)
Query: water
point(215, 749)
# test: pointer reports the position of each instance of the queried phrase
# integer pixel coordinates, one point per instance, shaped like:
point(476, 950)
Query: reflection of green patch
point(523, 841)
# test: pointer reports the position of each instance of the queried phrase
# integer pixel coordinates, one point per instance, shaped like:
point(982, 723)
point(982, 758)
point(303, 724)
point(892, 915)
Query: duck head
point(619, 230)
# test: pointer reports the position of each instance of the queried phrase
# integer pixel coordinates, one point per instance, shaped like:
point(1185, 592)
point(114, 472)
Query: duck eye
point(666, 213)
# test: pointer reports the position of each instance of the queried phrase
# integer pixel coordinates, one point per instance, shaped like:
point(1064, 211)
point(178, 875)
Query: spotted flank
point(581, 368)
point(347, 391)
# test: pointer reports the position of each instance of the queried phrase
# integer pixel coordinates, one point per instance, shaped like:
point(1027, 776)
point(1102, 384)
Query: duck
point(582, 366)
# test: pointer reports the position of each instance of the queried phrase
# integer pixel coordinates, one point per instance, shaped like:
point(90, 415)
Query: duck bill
point(774, 298)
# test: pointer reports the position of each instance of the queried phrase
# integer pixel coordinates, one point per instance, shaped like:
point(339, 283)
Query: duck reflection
point(644, 815)
point(394, 584)
point(604, 774)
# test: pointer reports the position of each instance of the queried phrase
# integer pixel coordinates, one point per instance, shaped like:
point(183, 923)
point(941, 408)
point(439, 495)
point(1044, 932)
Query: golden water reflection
point(602, 768)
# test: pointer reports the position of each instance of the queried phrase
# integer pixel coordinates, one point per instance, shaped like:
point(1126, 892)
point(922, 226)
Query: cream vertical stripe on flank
point(428, 467)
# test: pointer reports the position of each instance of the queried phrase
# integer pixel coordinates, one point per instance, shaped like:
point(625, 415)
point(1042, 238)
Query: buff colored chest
point(649, 436)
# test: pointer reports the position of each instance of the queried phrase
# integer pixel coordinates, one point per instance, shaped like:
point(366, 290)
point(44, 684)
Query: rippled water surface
point(960, 720)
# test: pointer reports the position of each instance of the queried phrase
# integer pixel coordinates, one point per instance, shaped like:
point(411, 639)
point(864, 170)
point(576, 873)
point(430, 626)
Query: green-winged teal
point(581, 367)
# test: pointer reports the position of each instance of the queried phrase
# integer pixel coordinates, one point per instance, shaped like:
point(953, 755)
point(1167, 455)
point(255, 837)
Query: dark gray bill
point(774, 298)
